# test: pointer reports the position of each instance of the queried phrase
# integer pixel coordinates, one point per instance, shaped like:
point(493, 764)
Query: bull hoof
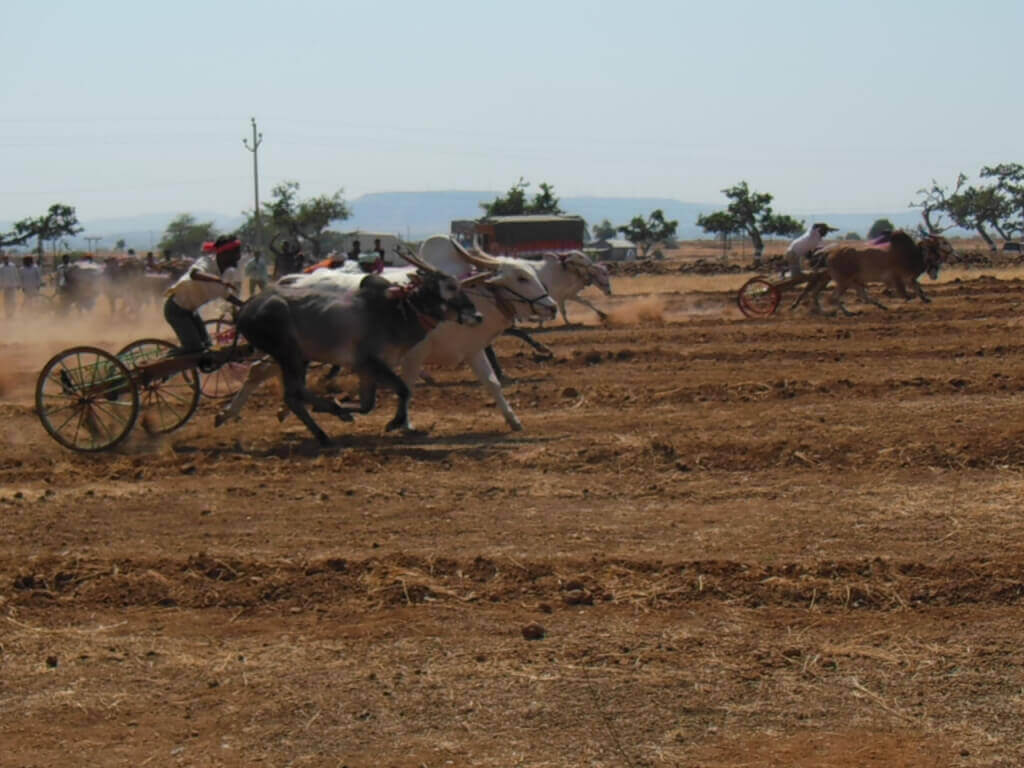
point(220, 419)
point(282, 414)
point(401, 424)
point(515, 424)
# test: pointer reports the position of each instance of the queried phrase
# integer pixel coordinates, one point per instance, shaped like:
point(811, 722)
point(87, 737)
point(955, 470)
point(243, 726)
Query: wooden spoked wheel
point(758, 297)
point(166, 402)
point(86, 399)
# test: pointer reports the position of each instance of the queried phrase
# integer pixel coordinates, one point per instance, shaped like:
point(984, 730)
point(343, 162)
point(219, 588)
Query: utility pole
point(257, 139)
point(92, 241)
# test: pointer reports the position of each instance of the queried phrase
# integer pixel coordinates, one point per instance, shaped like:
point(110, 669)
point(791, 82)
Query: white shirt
point(30, 279)
point(806, 243)
point(192, 294)
point(9, 276)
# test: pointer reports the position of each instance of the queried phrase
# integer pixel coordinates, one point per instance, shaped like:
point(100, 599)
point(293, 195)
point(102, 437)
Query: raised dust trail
point(650, 309)
point(32, 337)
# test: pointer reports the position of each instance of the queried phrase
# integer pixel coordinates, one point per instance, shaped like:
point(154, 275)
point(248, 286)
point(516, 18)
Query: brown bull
point(895, 263)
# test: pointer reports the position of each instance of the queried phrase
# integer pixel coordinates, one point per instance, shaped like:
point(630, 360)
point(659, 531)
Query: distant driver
point(805, 245)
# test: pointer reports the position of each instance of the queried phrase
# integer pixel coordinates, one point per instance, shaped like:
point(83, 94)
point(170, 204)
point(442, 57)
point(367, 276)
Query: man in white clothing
point(10, 283)
point(31, 279)
point(203, 282)
point(805, 245)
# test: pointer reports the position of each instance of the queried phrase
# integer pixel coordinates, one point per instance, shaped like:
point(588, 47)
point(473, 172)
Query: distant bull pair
point(895, 260)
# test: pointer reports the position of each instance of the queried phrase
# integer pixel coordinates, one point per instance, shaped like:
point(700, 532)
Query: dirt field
point(792, 542)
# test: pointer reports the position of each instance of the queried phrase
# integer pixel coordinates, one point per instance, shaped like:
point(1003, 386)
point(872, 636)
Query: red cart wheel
point(758, 297)
point(228, 378)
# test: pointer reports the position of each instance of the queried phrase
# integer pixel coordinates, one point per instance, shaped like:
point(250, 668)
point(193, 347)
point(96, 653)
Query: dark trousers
point(188, 325)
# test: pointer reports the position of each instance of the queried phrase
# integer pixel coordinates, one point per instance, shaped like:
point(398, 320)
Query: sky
point(125, 108)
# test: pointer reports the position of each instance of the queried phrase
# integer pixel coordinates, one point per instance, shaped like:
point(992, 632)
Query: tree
point(880, 227)
point(1009, 182)
point(978, 208)
point(851, 236)
point(647, 232)
point(304, 221)
point(514, 202)
point(59, 221)
point(185, 235)
point(749, 212)
point(934, 203)
point(605, 230)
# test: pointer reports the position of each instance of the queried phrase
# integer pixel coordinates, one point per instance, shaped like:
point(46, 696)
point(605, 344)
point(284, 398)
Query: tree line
point(993, 204)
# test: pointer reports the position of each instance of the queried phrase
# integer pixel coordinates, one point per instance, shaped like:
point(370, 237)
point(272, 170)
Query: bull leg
point(495, 365)
point(920, 293)
point(296, 395)
point(258, 373)
point(484, 373)
point(603, 316)
point(837, 299)
point(519, 333)
point(371, 372)
point(862, 291)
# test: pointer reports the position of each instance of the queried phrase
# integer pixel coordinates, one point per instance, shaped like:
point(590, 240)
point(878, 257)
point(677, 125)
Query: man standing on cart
point(207, 279)
point(805, 245)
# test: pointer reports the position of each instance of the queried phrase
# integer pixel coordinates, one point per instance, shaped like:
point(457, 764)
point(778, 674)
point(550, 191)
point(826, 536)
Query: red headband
point(231, 245)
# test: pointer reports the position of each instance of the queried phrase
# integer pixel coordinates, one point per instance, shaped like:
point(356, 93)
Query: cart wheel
point(758, 297)
point(228, 379)
point(168, 402)
point(86, 399)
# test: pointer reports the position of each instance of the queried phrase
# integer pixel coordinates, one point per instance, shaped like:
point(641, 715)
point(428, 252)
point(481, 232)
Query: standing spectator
point(10, 282)
point(30, 280)
point(256, 271)
point(63, 275)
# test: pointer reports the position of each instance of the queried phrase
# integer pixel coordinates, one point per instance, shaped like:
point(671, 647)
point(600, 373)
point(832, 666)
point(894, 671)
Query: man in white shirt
point(805, 245)
point(10, 282)
point(31, 279)
point(203, 282)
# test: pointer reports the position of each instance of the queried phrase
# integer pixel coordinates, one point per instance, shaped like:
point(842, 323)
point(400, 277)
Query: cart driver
point(805, 245)
point(206, 279)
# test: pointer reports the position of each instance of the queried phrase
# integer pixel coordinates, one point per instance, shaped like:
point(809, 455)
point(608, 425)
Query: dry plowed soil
point(718, 542)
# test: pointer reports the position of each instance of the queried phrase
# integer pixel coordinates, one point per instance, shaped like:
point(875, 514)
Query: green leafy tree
point(880, 227)
point(1008, 179)
point(59, 221)
point(514, 202)
point(304, 222)
point(605, 230)
point(979, 208)
point(750, 212)
point(185, 236)
point(647, 232)
point(851, 236)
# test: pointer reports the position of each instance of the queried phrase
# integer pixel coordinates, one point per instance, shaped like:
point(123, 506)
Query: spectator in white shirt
point(10, 282)
point(31, 279)
point(805, 245)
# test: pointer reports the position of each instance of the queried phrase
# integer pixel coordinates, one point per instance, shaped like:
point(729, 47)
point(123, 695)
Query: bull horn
point(417, 262)
point(469, 282)
point(479, 259)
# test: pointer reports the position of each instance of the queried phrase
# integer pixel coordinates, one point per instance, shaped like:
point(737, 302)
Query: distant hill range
point(415, 215)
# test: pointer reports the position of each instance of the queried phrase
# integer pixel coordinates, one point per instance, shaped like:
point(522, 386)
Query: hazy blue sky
point(134, 107)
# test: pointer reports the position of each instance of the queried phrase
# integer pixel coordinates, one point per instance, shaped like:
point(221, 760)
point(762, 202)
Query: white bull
point(511, 293)
point(566, 274)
